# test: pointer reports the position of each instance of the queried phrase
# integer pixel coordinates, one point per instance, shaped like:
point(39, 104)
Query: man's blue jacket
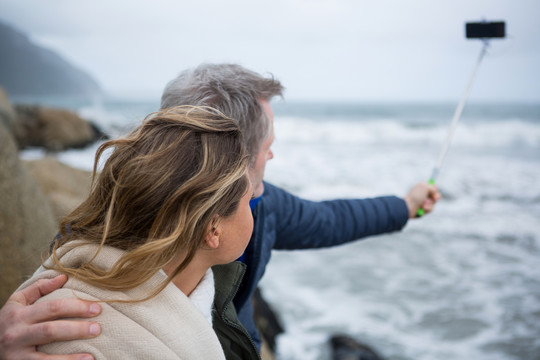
point(286, 222)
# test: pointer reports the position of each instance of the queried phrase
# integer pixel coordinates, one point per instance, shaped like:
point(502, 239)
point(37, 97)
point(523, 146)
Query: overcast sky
point(410, 50)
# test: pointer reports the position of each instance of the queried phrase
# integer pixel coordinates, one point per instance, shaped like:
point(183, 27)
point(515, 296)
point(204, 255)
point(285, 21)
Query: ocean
point(460, 283)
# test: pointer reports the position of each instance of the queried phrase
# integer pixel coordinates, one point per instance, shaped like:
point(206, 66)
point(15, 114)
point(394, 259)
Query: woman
point(171, 201)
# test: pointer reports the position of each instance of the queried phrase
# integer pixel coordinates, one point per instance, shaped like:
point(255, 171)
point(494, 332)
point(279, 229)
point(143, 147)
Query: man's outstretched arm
point(303, 224)
point(25, 324)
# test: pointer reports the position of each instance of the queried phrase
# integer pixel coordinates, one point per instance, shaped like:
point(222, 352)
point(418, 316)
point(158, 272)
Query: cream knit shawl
point(168, 326)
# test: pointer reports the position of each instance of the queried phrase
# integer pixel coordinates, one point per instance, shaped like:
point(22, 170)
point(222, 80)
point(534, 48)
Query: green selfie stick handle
point(421, 211)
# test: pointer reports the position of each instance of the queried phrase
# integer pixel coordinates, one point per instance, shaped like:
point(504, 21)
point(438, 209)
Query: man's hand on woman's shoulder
point(25, 324)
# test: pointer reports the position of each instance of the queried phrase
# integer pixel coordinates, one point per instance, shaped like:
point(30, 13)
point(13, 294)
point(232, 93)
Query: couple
point(126, 247)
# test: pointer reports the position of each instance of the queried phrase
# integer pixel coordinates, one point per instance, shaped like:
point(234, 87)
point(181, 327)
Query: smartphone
point(485, 30)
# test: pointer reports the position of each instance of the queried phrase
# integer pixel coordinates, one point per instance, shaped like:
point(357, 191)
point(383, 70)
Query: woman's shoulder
point(164, 327)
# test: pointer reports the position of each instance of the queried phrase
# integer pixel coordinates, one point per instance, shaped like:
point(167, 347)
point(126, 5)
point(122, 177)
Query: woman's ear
point(212, 239)
point(213, 235)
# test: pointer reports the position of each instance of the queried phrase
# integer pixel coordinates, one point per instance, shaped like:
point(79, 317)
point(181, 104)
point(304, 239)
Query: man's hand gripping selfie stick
point(484, 31)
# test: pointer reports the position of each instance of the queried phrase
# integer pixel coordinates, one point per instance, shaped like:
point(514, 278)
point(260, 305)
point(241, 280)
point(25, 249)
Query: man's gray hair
point(233, 90)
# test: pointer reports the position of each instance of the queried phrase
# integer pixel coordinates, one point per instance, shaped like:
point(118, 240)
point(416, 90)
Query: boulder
point(52, 129)
point(65, 187)
point(7, 113)
point(27, 224)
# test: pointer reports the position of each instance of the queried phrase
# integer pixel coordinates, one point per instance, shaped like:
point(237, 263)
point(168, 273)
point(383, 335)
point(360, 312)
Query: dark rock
point(345, 347)
point(98, 133)
point(267, 323)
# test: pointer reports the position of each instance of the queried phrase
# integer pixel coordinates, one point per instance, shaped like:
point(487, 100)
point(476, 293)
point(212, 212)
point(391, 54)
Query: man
point(282, 220)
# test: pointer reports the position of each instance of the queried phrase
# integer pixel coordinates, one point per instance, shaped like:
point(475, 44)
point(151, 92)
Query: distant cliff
point(27, 69)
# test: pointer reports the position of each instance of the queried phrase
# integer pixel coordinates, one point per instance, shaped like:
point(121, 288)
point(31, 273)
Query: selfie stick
point(459, 110)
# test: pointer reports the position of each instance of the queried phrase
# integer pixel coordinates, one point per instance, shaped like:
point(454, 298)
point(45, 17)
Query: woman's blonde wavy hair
point(161, 189)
